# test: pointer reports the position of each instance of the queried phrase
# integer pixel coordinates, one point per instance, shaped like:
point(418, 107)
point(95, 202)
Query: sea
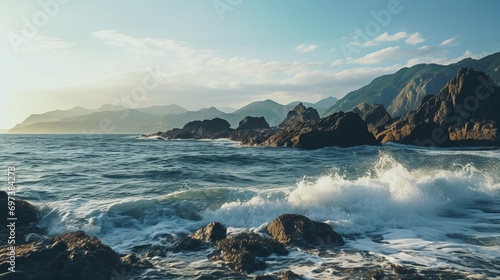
point(424, 208)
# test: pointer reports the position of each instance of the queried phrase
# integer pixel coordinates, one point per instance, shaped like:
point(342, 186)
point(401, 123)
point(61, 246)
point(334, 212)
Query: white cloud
point(443, 59)
point(415, 39)
point(306, 48)
point(378, 56)
point(450, 42)
point(386, 37)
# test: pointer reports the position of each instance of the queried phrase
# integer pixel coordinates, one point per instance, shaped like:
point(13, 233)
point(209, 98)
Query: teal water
point(434, 208)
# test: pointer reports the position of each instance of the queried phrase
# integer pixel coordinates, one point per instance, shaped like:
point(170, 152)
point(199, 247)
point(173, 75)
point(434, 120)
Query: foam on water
point(425, 217)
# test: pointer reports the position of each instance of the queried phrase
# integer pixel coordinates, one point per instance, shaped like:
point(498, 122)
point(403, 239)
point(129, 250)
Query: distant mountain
point(404, 90)
point(58, 115)
point(163, 110)
point(326, 103)
point(171, 121)
point(107, 122)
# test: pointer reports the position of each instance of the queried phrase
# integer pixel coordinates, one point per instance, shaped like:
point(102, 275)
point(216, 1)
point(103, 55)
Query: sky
point(58, 54)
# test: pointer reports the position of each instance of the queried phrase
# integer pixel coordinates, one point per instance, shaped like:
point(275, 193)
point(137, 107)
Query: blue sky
point(222, 52)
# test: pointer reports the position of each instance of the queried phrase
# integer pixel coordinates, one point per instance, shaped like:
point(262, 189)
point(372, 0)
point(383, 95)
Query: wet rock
point(207, 129)
point(213, 232)
point(72, 256)
point(301, 231)
point(376, 274)
point(27, 219)
point(242, 251)
point(289, 275)
point(189, 243)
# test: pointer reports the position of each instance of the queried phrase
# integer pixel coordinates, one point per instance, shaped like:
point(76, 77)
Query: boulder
point(301, 231)
point(242, 251)
point(339, 129)
point(300, 114)
point(466, 112)
point(213, 232)
point(74, 256)
point(252, 123)
point(27, 219)
point(251, 131)
point(207, 129)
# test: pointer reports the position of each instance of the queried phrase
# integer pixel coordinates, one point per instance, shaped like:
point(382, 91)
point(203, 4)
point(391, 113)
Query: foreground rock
point(375, 116)
point(27, 219)
point(301, 231)
point(71, 256)
point(339, 129)
point(466, 112)
point(208, 129)
point(242, 251)
point(300, 114)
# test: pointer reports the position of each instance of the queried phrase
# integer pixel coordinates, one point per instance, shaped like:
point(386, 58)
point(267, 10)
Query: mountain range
point(118, 119)
point(404, 90)
point(399, 93)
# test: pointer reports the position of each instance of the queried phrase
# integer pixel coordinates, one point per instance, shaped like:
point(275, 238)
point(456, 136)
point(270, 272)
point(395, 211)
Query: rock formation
point(339, 129)
point(242, 251)
point(207, 129)
point(70, 256)
point(301, 231)
point(298, 115)
point(465, 112)
point(375, 116)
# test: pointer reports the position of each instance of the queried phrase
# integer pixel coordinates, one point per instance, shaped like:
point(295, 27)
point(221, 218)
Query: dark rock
point(208, 129)
point(242, 251)
point(72, 256)
point(339, 129)
point(300, 114)
point(252, 131)
point(301, 231)
point(252, 123)
point(190, 244)
point(375, 116)
point(265, 277)
point(376, 274)
point(289, 275)
point(213, 232)
point(27, 219)
point(466, 112)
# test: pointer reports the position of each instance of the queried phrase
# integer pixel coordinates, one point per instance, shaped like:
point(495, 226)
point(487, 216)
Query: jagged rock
point(375, 116)
point(73, 255)
point(339, 129)
point(242, 251)
point(253, 123)
point(208, 129)
point(465, 112)
point(301, 231)
point(213, 232)
point(251, 131)
point(27, 219)
point(300, 114)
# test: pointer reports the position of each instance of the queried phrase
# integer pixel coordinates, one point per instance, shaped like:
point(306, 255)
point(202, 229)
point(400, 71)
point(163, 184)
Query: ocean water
point(423, 208)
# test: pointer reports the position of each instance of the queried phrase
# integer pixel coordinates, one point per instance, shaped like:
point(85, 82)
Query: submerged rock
point(301, 231)
point(27, 219)
point(73, 256)
point(242, 251)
